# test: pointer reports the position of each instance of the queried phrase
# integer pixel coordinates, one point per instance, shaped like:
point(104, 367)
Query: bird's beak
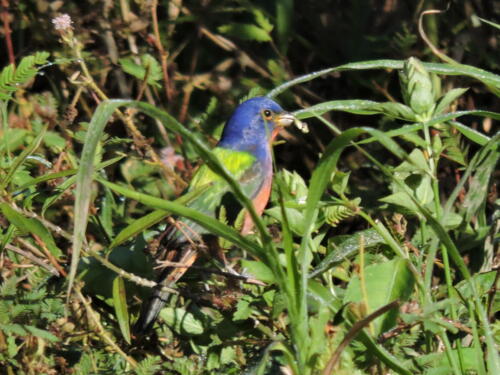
point(284, 119)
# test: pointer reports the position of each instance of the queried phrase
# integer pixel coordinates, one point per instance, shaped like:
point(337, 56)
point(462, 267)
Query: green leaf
point(284, 15)
point(12, 77)
point(83, 184)
point(360, 107)
point(181, 321)
point(385, 282)
point(19, 160)
point(213, 225)
point(489, 79)
point(41, 333)
point(121, 309)
point(138, 226)
point(243, 309)
point(55, 141)
point(447, 99)
point(491, 23)
point(262, 20)
point(294, 216)
point(245, 31)
point(258, 270)
point(149, 66)
point(31, 225)
point(480, 180)
point(347, 249)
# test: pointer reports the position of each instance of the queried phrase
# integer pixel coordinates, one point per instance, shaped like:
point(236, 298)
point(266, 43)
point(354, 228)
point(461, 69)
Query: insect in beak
point(284, 119)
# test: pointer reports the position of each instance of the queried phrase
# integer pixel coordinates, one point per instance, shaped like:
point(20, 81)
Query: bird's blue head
point(253, 125)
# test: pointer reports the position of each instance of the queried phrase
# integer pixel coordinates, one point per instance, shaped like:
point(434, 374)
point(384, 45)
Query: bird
point(245, 149)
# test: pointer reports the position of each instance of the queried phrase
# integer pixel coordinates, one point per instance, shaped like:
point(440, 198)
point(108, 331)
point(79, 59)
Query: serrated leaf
point(243, 309)
point(46, 335)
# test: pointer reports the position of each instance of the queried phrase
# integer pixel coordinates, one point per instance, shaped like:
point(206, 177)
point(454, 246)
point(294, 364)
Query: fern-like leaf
point(12, 78)
point(334, 214)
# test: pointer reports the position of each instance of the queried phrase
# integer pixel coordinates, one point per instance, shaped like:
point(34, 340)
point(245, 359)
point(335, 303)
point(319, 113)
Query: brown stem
point(161, 50)
point(7, 31)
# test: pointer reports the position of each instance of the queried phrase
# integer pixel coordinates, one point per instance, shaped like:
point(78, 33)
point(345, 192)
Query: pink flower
point(62, 22)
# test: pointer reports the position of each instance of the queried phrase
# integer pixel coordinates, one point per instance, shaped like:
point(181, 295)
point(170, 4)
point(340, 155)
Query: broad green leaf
point(55, 141)
point(385, 282)
point(243, 309)
point(484, 283)
point(294, 216)
point(12, 139)
point(262, 20)
point(258, 270)
point(181, 321)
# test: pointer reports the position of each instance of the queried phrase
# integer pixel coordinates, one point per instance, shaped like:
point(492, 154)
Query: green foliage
point(401, 213)
point(12, 78)
point(149, 69)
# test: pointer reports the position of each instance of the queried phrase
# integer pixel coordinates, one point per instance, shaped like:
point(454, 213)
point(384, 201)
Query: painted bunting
point(245, 150)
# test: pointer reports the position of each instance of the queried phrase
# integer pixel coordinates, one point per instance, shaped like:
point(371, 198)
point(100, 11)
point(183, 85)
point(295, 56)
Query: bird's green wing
point(236, 162)
point(244, 168)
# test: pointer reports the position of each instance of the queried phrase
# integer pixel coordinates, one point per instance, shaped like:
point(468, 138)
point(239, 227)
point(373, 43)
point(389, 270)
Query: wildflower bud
point(416, 86)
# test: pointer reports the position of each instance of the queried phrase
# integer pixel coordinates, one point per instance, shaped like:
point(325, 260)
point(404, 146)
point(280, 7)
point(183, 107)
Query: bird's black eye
point(267, 114)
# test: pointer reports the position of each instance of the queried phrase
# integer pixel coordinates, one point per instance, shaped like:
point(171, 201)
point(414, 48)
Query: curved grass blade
point(141, 224)
point(490, 79)
point(83, 184)
point(22, 157)
point(213, 225)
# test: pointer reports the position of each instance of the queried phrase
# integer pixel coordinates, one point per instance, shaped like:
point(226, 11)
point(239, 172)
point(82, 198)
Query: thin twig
point(427, 41)
point(86, 250)
point(7, 31)
point(161, 50)
point(49, 255)
point(100, 329)
point(33, 258)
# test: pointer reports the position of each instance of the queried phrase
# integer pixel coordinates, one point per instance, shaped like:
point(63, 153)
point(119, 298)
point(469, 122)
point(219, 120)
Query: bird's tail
point(159, 297)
